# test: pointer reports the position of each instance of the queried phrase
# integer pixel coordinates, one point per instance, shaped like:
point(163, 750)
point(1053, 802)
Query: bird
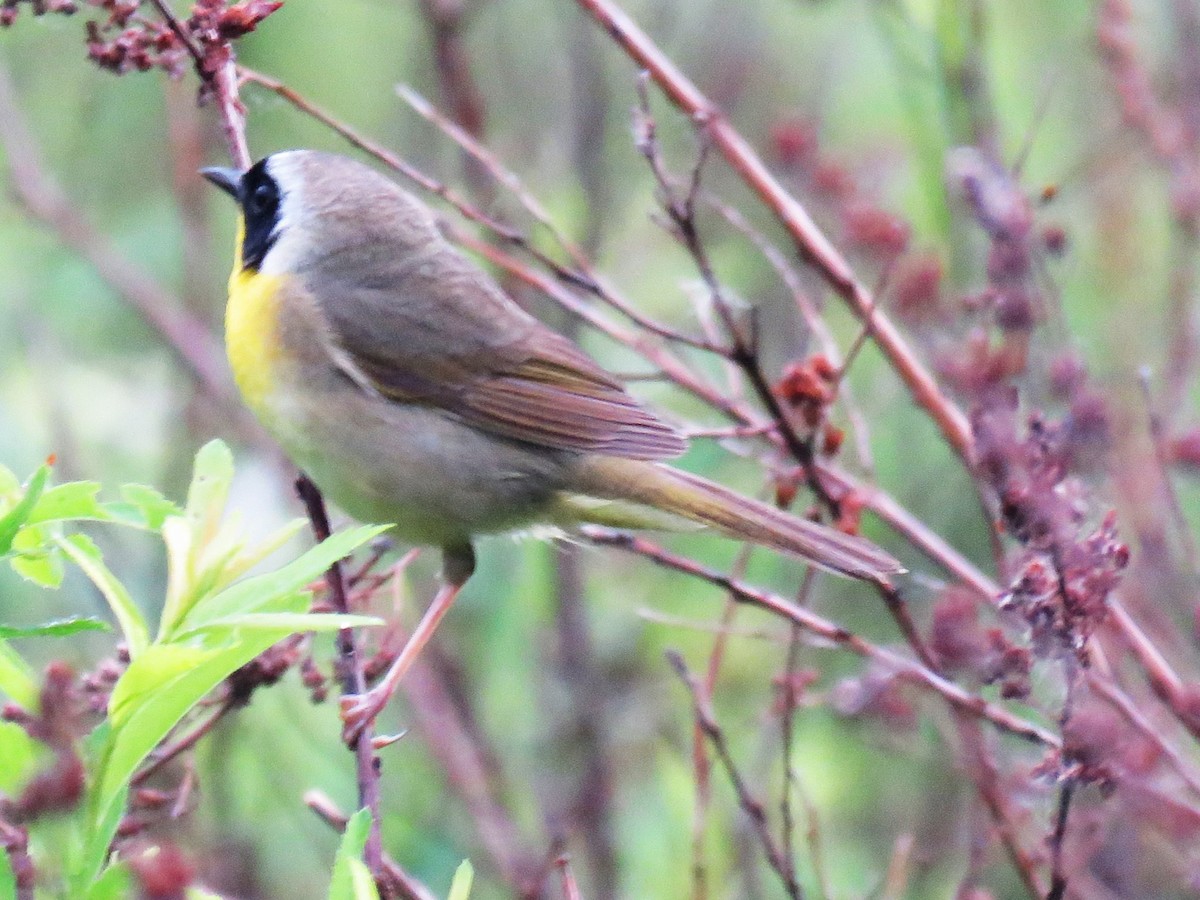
point(412, 390)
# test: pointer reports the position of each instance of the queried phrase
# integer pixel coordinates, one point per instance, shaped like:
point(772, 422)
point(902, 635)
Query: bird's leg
point(358, 710)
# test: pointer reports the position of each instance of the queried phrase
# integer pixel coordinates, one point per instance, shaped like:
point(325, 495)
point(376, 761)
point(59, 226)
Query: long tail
point(658, 487)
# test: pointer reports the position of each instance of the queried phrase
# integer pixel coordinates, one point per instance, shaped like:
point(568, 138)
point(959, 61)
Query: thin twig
point(746, 800)
point(471, 771)
point(168, 752)
point(743, 349)
point(349, 668)
point(787, 723)
point(910, 670)
point(222, 80)
point(1158, 438)
point(1058, 878)
point(983, 771)
point(810, 242)
point(569, 886)
point(701, 764)
point(446, 20)
point(401, 885)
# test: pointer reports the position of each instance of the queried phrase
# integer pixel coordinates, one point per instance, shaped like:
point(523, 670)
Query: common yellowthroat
point(412, 390)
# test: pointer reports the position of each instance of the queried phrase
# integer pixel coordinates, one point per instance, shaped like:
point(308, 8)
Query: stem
point(349, 669)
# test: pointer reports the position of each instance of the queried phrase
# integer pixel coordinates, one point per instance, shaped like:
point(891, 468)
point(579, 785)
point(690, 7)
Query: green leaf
point(177, 537)
point(212, 474)
point(247, 558)
point(73, 500)
point(152, 508)
point(113, 884)
point(152, 697)
point(464, 877)
point(16, 678)
point(12, 521)
point(18, 757)
point(252, 594)
point(57, 628)
point(85, 554)
point(96, 848)
point(44, 569)
point(291, 621)
point(8, 881)
point(351, 878)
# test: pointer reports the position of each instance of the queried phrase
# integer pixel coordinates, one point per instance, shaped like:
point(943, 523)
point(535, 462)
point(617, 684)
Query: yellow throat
point(252, 330)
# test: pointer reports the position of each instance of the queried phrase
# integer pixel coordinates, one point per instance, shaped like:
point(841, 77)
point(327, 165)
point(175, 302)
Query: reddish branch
point(750, 805)
point(907, 669)
point(680, 207)
point(396, 880)
point(349, 669)
point(810, 242)
point(472, 776)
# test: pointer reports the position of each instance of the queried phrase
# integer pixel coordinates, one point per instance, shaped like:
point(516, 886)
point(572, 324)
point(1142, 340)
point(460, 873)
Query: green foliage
point(464, 876)
point(214, 620)
point(351, 878)
point(58, 628)
point(8, 882)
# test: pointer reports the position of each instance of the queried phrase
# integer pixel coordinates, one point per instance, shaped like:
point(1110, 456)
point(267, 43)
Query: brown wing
point(444, 334)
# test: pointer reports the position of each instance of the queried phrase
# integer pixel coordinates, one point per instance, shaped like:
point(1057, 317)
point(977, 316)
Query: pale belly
point(437, 480)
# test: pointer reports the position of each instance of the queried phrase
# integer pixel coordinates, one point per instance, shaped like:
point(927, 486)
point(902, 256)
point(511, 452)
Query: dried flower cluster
point(59, 723)
point(127, 40)
point(1068, 570)
point(10, 8)
point(865, 225)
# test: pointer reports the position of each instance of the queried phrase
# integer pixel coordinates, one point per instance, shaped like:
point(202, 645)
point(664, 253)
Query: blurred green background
point(83, 377)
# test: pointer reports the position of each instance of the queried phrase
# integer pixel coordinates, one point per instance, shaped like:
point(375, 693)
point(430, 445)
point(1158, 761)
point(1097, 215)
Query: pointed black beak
point(228, 180)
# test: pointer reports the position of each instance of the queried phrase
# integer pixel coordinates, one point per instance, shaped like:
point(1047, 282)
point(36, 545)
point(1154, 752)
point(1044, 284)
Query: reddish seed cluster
point(215, 19)
point(97, 686)
point(808, 387)
point(982, 366)
point(876, 695)
point(961, 645)
point(265, 669)
point(794, 143)
point(850, 510)
point(10, 8)
point(866, 226)
point(60, 721)
point(1063, 586)
point(139, 48)
point(916, 292)
point(314, 680)
point(1005, 215)
point(126, 40)
point(876, 230)
point(161, 870)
